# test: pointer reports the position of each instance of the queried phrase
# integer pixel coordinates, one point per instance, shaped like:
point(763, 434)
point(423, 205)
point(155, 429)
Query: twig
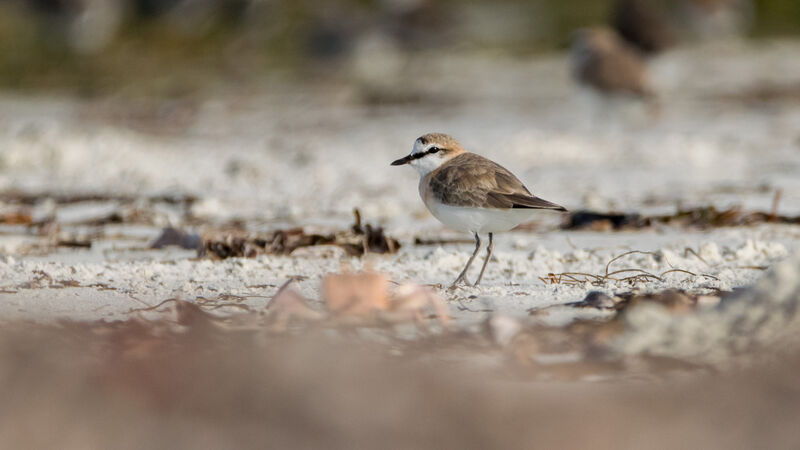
point(775, 200)
point(678, 270)
point(641, 275)
point(693, 252)
point(625, 254)
point(644, 272)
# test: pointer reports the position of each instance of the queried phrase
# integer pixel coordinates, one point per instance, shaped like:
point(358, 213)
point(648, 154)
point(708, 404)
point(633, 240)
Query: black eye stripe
point(430, 151)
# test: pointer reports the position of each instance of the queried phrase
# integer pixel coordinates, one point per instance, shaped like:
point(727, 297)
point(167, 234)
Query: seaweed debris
point(356, 241)
point(703, 217)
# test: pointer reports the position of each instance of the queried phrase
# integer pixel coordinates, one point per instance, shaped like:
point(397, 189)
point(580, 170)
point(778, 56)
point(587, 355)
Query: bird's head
point(431, 151)
point(598, 39)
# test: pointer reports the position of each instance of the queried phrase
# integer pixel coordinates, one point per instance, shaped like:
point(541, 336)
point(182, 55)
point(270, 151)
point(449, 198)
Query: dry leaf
point(356, 294)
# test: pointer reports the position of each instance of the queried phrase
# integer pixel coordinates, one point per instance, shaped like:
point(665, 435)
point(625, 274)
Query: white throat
point(427, 164)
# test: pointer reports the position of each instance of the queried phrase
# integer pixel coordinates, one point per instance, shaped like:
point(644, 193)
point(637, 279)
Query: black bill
point(404, 160)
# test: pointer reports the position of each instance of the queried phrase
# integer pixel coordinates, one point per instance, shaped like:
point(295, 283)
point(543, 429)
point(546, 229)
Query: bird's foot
point(461, 279)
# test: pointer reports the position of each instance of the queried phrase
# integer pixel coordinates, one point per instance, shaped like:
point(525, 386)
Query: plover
point(468, 192)
point(605, 63)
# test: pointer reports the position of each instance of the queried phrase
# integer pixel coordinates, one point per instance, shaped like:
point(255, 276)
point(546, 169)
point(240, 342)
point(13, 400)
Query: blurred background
point(177, 47)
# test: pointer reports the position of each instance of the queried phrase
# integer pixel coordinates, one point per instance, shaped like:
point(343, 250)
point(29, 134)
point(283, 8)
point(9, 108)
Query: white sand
point(304, 159)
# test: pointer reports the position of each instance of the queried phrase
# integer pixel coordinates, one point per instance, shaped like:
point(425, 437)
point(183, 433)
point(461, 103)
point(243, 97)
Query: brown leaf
point(16, 218)
point(356, 294)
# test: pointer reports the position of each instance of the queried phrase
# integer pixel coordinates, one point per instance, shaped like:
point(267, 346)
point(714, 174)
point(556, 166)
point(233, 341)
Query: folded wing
point(473, 181)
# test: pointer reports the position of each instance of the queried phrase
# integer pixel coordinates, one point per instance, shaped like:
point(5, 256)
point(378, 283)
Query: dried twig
point(579, 278)
point(626, 254)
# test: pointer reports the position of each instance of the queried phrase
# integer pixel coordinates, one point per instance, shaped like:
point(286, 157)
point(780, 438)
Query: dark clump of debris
point(705, 217)
point(731, 217)
point(173, 236)
point(356, 241)
point(24, 198)
point(281, 242)
point(590, 220)
point(375, 241)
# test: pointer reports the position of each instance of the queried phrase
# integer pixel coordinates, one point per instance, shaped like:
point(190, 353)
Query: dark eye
point(433, 149)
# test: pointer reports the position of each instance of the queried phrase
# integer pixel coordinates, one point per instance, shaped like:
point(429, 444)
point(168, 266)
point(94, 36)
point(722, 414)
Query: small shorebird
point(616, 73)
point(602, 61)
point(468, 192)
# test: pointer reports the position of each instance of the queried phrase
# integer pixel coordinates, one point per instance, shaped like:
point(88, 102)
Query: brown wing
point(617, 71)
point(474, 181)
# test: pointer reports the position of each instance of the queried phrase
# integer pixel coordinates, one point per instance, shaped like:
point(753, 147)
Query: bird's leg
point(489, 249)
point(463, 275)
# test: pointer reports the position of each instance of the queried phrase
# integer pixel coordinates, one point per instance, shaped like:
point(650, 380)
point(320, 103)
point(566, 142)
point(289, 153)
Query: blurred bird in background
point(605, 64)
point(653, 26)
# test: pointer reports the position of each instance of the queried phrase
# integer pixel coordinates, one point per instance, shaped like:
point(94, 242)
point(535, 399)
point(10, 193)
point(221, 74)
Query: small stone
point(601, 300)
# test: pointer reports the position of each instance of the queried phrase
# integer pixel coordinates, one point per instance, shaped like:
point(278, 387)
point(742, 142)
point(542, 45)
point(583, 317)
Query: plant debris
point(596, 221)
point(24, 198)
point(676, 300)
point(173, 236)
point(705, 217)
point(421, 242)
point(16, 218)
point(629, 275)
point(74, 243)
point(356, 241)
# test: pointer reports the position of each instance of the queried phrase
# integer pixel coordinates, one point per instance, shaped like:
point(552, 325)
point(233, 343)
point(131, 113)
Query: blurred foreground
point(197, 385)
